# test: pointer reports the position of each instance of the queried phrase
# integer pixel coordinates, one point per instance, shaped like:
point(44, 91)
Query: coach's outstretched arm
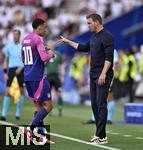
point(80, 47)
point(63, 40)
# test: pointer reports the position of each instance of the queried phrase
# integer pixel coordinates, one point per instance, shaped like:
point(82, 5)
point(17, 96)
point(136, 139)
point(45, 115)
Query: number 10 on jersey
point(28, 58)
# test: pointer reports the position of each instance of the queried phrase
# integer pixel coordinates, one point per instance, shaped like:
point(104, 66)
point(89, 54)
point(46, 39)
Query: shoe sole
point(99, 143)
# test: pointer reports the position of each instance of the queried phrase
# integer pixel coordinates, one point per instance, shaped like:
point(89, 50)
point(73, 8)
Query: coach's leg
point(102, 93)
point(93, 96)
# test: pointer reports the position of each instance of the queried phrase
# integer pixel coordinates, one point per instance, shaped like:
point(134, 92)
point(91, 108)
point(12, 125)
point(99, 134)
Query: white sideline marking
point(67, 138)
point(126, 135)
point(139, 138)
point(114, 133)
point(84, 142)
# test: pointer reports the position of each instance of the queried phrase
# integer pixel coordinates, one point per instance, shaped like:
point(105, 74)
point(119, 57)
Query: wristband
point(5, 70)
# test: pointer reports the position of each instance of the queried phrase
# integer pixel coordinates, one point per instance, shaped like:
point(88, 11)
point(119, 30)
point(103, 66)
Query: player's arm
point(5, 66)
point(6, 60)
point(44, 55)
point(18, 70)
point(79, 47)
point(22, 54)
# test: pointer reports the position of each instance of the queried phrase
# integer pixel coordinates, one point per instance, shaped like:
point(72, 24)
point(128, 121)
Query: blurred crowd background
point(68, 18)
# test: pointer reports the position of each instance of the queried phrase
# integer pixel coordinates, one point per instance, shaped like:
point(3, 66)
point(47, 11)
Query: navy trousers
point(98, 96)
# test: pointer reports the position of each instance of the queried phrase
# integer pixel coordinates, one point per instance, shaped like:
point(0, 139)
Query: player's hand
point(5, 77)
point(101, 79)
point(18, 70)
point(51, 45)
point(63, 40)
point(62, 78)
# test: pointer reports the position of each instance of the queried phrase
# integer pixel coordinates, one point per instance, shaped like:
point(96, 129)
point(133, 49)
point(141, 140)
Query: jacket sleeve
point(108, 43)
point(84, 47)
point(45, 56)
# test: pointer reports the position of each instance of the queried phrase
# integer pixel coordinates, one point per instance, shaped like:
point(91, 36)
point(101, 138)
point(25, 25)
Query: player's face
point(42, 29)
point(16, 36)
point(92, 25)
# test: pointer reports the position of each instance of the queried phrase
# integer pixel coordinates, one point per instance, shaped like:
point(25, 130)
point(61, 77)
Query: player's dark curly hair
point(37, 22)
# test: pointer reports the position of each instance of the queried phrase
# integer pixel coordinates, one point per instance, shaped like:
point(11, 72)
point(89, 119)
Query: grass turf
point(71, 124)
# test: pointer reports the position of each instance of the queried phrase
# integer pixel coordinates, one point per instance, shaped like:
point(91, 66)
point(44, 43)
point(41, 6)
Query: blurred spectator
point(61, 20)
point(116, 5)
point(55, 75)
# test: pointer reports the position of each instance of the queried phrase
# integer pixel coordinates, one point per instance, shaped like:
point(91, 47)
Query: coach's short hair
point(37, 22)
point(95, 17)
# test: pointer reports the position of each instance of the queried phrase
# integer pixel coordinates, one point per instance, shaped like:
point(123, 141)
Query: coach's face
point(42, 29)
point(92, 25)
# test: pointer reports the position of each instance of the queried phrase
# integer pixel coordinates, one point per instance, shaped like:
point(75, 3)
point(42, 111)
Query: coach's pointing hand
point(63, 40)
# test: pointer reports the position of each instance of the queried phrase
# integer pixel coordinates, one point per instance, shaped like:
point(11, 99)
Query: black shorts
point(54, 81)
point(12, 74)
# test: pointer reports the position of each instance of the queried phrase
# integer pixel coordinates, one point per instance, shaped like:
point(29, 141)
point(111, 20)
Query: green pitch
point(120, 136)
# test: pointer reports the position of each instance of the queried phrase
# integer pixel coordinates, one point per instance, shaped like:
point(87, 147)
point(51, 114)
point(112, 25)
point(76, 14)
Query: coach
point(101, 48)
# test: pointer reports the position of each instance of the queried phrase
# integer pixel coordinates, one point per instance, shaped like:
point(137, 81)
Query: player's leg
point(57, 85)
point(40, 93)
point(45, 99)
point(21, 98)
point(60, 102)
point(7, 98)
point(6, 104)
point(111, 108)
point(19, 105)
point(41, 126)
point(41, 114)
point(38, 106)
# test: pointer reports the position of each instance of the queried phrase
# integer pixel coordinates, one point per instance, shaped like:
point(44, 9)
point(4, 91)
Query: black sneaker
point(3, 118)
point(89, 122)
point(109, 122)
point(41, 130)
point(17, 118)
